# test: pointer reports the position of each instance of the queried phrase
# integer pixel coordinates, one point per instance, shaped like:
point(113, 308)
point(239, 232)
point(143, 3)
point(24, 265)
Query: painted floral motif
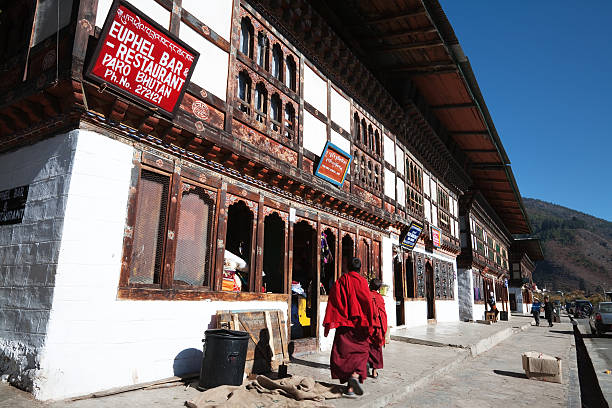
point(264, 143)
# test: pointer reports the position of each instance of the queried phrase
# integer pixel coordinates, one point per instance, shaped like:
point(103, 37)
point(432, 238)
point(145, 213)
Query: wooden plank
point(283, 335)
point(270, 332)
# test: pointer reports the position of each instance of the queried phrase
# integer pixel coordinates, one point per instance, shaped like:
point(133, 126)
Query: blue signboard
point(334, 164)
point(412, 235)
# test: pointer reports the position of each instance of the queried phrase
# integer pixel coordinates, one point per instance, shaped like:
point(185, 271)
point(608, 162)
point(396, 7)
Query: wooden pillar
point(289, 271)
point(317, 243)
point(221, 231)
point(260, 245)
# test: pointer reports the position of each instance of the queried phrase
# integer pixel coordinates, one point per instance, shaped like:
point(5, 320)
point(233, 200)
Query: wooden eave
point(412, 42)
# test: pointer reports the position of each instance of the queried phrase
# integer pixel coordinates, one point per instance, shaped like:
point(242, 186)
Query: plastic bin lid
point(225, 333)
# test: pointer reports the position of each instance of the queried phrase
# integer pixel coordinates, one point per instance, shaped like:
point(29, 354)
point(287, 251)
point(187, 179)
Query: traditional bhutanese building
point(187, 157)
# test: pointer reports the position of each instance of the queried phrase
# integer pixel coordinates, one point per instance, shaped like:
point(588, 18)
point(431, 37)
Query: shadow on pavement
point(309, 363)
point(595, 336)
point(562, 331)
point(510, 374)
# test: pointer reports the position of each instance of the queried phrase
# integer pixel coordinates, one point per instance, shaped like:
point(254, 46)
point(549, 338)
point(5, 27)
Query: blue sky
point(545, 70)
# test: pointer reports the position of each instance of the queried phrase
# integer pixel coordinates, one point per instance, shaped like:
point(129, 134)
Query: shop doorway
point(430, 292)
point(348, 251)
point(398, 289)
point(513, 307)
point(273, 276)
point(328, 260)
point(304, 296)
point(238, 241)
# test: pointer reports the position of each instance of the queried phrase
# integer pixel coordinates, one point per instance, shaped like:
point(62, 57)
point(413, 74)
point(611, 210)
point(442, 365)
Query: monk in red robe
point(349, 311)
point(377, 338)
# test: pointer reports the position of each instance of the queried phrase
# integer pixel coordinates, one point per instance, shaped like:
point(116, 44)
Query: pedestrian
point(349, 311)
point(548, 310)
point(535, 311)
point(377, 338)
point(492, 305)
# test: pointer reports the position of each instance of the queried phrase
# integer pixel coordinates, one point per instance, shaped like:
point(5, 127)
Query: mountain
point(577, 248)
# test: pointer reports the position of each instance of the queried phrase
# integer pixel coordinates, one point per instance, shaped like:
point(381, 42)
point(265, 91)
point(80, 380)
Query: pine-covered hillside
point(577, 248)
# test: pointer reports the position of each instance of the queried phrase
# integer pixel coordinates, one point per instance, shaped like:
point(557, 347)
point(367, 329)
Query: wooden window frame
point(169, 244)
point(167, 289)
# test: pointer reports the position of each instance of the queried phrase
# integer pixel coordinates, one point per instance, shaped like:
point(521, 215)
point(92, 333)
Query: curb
point(404, 391)
point(574, 399)
point(475, 349)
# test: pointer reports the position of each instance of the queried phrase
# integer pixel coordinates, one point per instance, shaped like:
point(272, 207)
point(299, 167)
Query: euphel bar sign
point(140, 59)
point(12, 205)
point(334, 164)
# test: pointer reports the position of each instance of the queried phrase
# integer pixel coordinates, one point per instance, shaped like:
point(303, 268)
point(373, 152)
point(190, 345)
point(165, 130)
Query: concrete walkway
point(496, 378)
point(409, 369)
point(475, 337)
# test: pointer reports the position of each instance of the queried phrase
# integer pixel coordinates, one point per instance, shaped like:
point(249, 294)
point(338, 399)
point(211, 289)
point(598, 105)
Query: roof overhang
point(413, 42)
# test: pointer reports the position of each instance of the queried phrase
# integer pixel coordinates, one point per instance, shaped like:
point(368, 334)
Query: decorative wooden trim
point(231, 199)
point(270, 210)
point(174, 294)
point(310, 222)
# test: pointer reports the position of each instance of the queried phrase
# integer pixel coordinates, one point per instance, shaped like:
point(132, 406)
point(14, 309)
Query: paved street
point(496, 377)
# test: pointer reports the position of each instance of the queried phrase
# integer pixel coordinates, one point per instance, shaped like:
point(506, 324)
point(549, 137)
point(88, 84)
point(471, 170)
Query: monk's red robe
point(377, 338)
point(349, 311)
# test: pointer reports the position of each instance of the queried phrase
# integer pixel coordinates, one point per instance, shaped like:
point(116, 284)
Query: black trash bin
point(224, 357)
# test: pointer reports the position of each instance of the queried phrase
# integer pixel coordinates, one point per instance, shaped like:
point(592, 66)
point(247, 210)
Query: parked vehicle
point(583, 308)
point(601, 319)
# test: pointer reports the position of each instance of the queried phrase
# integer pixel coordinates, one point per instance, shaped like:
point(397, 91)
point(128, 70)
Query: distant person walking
point(377, 338)
point(535, 311)
point(548, 310)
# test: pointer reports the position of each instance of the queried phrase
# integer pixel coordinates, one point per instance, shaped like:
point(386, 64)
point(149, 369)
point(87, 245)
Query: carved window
point(170, 245)
point(364, 133)
point(277, 62)
point(356, 127)
point(377, 143)
point(275, 112)
point(290, 73)
point(246, 37)
point(289, 121)
point(244, 92)
point(443, 210)
point(261, 102)
point(262, 50)
point(370, 140)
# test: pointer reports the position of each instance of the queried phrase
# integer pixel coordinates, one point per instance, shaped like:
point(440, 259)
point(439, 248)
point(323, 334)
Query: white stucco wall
point(96, 341)
point(415, 313)
point(217, 14)
point(211, 70)
point(479, 311)
point(315, 134)
point(29, 252)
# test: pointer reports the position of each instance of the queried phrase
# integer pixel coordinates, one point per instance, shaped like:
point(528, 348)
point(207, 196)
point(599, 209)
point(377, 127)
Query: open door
point(304, 299)
point(398, 288)
point(430, 291)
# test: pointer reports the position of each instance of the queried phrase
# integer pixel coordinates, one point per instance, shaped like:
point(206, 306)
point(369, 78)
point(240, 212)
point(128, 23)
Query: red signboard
point(435, 237)
point(140, 59)
point(334, 164)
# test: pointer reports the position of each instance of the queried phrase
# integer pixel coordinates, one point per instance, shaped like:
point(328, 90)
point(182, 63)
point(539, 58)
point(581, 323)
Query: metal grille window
point(159, 256)
point(150, 228)
point(193, 242)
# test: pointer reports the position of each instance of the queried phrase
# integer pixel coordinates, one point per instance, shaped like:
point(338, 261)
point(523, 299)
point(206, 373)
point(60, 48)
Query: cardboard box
point(542, 367)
